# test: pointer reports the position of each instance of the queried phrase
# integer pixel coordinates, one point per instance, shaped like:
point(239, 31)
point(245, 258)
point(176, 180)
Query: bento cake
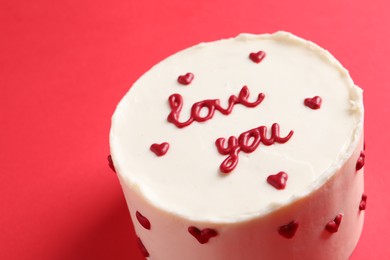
point(243, 148)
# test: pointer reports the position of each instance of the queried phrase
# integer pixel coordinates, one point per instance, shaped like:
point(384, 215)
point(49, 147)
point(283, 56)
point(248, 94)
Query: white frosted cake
point(244, 148)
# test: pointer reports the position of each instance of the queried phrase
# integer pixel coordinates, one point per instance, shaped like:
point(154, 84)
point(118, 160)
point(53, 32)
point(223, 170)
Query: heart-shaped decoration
point(257, 57)
point(360, 161)
point(333, 226)
point(203, 235)
point(141, 246)
point(186, 79)
point(160, 149)
point(143, 220)
point(278, 180)
point(313, 103)
point(363, 202)
point(110, 163)
point(289, 230)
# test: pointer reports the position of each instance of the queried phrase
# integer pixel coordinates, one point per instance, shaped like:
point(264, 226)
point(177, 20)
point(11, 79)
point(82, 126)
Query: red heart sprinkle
point(288, 231)
point(278, 180)
point(333, 226)
point(314, 102)
point(363, 202)
point(257, 56)
point(143, 220)
point(141, 246)
point(110, 163)
point(360, 161)
point(160, 149)
point(203, 235)
point(186, 79)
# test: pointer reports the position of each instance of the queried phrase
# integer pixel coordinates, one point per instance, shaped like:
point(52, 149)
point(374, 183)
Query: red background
point(64, 65)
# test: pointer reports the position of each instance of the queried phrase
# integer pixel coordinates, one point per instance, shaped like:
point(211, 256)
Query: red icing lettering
point(278, 180)
point(257, 57)
point(363, 202)
point(143, 220)
point(141, 246)
point(111, 163)
point(160, 149)
point(313, 103)
point(247, 142)
point(360, 161)
point(333, 226)
point(185, 79)
point(289, 230)
point(211, 105)
point(203, 235)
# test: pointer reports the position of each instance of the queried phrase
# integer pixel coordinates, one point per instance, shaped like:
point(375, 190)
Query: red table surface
point(64, 65)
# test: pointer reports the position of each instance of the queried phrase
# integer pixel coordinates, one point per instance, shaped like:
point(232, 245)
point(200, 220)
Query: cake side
point(168, 235)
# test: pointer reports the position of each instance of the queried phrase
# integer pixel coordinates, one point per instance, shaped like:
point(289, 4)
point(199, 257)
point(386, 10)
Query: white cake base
point(168, 237)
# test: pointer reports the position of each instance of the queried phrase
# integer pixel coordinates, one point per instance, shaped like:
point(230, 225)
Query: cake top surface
point(233, 129)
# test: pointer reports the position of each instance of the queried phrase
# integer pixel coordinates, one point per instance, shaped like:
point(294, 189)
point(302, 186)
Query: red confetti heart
point(143, 220)
point(360, 161)
point(363, 202)
point(141, 246)
point(333, 226)
point(278, 180)
point(314, 102)
point(160, 149)
point(203, 235)
point(288, 231)
point(186, 79)
point(110, 163)
point(257, 57)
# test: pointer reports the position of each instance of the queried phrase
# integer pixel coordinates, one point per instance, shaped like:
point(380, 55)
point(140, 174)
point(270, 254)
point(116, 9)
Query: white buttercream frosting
point(187, 180)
